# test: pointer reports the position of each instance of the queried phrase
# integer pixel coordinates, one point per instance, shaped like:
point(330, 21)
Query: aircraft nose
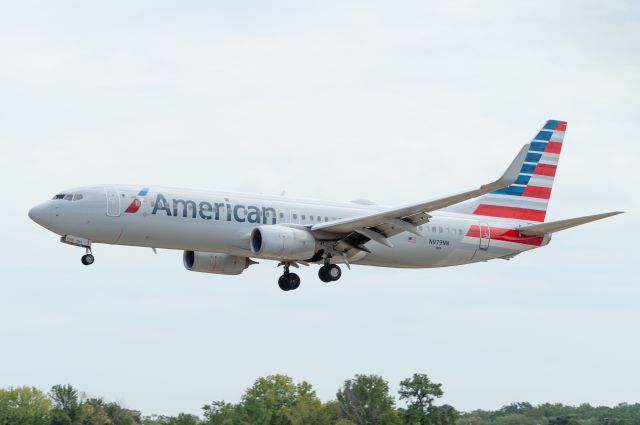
point(41, 214)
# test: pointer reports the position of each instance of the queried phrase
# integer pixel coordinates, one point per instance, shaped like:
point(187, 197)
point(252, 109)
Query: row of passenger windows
point(67, 196)
point(305, 217)
point(446, 230)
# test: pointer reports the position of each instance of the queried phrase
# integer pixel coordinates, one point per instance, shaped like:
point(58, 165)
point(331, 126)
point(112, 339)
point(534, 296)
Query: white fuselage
point(220, 222)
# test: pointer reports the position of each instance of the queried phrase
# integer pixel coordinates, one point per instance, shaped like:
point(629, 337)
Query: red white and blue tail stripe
point(528, 198)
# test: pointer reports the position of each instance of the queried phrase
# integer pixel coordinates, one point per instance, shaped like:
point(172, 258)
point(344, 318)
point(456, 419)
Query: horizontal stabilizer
point(556, 226)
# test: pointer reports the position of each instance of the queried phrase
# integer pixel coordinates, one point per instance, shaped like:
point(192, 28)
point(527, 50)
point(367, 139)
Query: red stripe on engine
point(506, 235)
point(545, 170)
point(553, 147)
point(510, 212)
point(537, 192)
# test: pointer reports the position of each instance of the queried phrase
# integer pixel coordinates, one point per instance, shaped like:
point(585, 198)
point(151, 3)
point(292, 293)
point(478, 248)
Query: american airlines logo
point(134, 206)
point(211, 210)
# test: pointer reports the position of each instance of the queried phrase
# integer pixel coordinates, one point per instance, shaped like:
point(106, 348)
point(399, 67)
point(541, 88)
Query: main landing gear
point(329, 273)
point(288, 281)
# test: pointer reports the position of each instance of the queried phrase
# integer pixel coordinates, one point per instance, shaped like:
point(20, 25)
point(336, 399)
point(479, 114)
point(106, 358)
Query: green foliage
point(420, 393)
point(278, 400)
point(24, 405)
point(365, 400)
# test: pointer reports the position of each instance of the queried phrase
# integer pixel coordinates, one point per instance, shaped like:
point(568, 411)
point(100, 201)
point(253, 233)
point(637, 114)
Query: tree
point(420, 392)
point(220, 413)
point(66, 405)
point(267, 402)
point(365, 400)
point(25, 406)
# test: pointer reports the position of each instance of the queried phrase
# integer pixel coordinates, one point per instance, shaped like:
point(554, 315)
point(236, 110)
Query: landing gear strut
point(288, 281)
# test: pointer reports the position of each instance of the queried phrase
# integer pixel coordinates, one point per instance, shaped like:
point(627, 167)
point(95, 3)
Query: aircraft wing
point(380, 225)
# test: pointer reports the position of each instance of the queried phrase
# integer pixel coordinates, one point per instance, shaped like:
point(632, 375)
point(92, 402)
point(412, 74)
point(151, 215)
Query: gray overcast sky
point(391, 101)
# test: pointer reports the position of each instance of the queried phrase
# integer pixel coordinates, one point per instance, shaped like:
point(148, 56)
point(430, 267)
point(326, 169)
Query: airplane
point(224, 232)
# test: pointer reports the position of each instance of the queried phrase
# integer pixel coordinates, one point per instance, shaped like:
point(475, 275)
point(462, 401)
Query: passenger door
point(113, 202)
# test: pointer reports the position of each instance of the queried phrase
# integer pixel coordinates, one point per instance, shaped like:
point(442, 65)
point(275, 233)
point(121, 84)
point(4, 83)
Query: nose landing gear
point(87, 259)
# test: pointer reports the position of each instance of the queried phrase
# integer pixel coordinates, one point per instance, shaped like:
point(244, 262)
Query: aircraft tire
point(282, 283)
point(87, 259)
point(293, 281)
point(322, 274)
point(333, 272)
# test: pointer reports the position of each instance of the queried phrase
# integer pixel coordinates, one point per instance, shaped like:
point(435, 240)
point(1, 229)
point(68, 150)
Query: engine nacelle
point(209, 262)
point(282, 243)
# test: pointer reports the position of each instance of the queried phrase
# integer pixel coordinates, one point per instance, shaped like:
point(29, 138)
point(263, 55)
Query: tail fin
point(527, 199)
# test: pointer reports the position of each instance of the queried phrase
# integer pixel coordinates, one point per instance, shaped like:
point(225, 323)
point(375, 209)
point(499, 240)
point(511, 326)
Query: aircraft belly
point(423, 252)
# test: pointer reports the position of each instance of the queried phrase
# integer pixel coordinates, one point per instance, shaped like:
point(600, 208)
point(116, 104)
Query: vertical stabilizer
point(528, 198)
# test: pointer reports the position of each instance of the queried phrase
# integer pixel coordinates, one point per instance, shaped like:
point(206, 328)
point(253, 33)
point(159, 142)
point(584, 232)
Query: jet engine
point(209, 262)
point(282, 243)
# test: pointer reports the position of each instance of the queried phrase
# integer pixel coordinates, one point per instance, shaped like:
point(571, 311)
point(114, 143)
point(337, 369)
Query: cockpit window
point(68, 196)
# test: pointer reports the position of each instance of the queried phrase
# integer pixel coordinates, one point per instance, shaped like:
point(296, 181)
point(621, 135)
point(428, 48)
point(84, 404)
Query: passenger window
point(433, 229)
point(460, 232)
point(282, 215)
point(77, 197)
point(295, 216)
point(439, 229)
point(304, 217)
point(326, 219)
point(311, 217)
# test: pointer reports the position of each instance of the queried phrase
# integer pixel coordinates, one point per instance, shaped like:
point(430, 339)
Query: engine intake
point(208, 262)
point(282, 243)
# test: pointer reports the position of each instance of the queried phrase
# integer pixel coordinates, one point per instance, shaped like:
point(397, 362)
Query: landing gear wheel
point(282, 283)
point(322, 274)
point(293, 281)
point(333, 272)
point(87, 259)
point(289, 281)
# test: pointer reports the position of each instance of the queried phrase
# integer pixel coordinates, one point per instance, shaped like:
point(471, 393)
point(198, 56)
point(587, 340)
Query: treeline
point(278, 400)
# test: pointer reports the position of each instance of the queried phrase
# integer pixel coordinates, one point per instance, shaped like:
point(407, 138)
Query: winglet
point(513, 171)
point(556, 226)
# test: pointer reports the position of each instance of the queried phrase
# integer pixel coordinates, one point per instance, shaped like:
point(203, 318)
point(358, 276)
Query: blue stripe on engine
point(537, 147)
point(510, 190)
point(551, 125)
point(522, 179)
point(533, 157)
point(528, 168)
point(544, 135)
